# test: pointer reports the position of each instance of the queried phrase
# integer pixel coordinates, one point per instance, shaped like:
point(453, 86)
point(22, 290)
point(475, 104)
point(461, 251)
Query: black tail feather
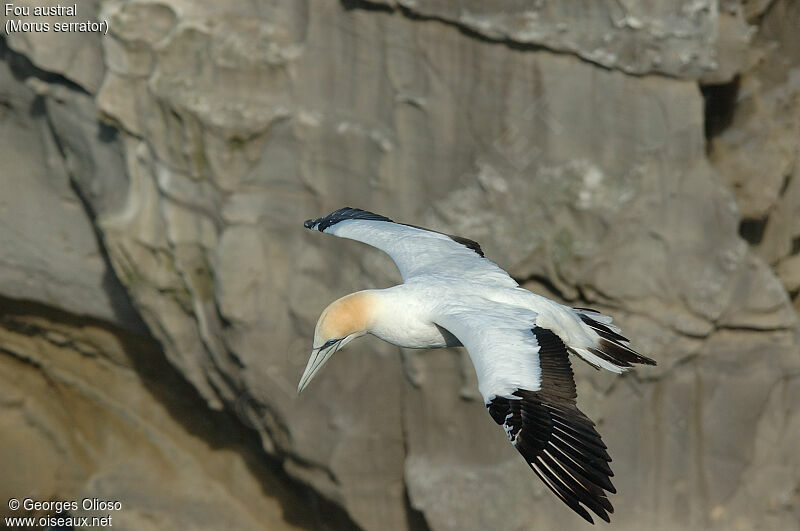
point(613, 346)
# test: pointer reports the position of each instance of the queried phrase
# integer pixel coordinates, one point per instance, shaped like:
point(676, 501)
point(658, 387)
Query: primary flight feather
point(519, 343)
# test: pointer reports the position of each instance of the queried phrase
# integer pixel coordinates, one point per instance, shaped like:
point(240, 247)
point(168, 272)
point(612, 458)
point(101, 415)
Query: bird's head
point(341, 322)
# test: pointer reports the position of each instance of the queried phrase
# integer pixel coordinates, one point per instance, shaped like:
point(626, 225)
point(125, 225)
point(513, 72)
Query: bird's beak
point(318, 358)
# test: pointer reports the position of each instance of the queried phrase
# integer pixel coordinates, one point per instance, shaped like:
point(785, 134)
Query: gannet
point(518, 342)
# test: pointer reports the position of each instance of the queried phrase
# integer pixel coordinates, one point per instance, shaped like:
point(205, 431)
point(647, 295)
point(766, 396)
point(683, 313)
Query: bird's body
point(518, 343)
point(404, 320)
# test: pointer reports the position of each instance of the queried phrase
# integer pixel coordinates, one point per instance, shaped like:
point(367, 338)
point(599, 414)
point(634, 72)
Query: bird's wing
point(415, 251)
point(526, 380)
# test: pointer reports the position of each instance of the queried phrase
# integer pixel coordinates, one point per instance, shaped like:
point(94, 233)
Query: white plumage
point(419, 252)
point(518, 342)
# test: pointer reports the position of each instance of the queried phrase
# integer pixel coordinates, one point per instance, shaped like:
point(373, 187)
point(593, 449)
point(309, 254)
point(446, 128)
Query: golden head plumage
point(342, 321)
point(343, 317)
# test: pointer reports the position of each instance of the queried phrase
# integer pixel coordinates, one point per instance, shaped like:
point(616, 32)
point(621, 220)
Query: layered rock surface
point(177, 157)
point(88, 411)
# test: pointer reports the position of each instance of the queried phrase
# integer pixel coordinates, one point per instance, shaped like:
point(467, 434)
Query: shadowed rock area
point(159, 292)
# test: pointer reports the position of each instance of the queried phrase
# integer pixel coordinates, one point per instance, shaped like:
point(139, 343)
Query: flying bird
point(519, 344)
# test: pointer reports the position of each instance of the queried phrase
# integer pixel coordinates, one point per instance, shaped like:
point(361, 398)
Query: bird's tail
point(611, 350)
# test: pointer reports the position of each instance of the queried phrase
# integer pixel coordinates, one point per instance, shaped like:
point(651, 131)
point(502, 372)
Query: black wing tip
point(342, 214)
point(561, 446)
point(580, 504)
point(576, 496)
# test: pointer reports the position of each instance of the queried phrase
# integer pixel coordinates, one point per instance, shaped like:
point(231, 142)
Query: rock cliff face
point(159, 291)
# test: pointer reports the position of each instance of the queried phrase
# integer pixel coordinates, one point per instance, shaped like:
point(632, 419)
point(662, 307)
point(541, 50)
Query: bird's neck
point(374, 309)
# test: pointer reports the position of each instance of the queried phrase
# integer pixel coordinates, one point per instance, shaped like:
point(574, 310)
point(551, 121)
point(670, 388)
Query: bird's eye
point(330, 343)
